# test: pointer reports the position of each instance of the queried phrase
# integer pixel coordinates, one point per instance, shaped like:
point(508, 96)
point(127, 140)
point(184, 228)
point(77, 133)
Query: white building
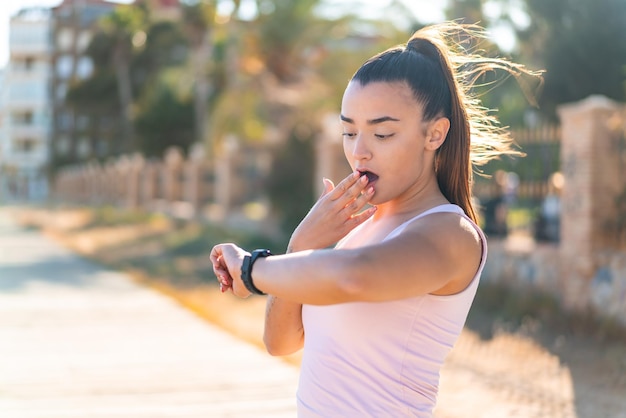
point(25, 108)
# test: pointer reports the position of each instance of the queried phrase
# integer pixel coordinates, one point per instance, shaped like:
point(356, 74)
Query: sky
point(425, 9)
point(9, 8)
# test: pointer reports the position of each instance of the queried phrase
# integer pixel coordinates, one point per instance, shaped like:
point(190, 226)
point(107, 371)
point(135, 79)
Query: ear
point(436, 133)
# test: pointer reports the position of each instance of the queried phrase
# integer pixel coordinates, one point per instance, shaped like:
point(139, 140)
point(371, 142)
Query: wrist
point(246, 269)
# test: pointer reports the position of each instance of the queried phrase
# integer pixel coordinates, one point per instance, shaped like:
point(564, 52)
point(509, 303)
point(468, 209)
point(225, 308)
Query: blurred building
point(162, 9)
point(76, 134)
point(25, 105)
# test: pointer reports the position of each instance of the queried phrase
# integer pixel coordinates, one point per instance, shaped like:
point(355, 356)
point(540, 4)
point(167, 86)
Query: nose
point(360, 149)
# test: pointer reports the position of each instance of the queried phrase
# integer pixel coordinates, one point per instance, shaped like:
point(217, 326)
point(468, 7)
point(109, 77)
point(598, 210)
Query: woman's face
point(385, 138)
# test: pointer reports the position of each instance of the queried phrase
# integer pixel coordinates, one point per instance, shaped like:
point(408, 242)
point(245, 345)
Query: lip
point(371, 176)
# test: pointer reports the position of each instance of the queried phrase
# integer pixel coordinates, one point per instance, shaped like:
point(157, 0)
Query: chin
point(376, 201)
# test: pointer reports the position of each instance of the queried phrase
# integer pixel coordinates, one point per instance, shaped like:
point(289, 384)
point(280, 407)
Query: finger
point(361, 217)
point(354, 193)
point(328, 186)
point(360, 202)
point(350, 187)
point(223, 276)
point(215, 254)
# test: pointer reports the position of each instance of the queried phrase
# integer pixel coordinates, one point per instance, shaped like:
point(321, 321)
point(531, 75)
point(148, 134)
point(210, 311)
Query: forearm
point(321, 277)
point(283, 333)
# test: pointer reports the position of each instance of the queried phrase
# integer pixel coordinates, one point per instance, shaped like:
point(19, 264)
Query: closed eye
point(348, 135)
point(381, 136)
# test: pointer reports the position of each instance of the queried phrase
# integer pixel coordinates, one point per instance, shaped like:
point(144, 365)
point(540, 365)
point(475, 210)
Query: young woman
point(378, 314)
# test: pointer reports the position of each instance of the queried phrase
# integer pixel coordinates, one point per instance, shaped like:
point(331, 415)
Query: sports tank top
point(381, 359)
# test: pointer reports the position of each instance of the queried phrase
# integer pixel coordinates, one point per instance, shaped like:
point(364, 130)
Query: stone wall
point(587, 270)
point(538, 267)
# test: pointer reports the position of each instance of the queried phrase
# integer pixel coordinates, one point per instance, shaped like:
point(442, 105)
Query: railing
point(182, 187)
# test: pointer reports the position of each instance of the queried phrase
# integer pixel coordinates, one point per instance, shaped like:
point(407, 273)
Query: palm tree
point(198, 20)
point(125, 28)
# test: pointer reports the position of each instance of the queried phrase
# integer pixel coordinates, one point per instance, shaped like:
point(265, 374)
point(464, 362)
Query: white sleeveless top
point(381, 359)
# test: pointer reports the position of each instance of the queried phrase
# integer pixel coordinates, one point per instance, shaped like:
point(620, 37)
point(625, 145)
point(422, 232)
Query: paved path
point(79, 341)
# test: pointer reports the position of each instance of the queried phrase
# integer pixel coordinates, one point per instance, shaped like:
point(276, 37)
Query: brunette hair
point(438, 65)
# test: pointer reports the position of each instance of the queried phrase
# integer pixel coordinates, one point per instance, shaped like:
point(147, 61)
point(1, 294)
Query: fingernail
point(370, 190)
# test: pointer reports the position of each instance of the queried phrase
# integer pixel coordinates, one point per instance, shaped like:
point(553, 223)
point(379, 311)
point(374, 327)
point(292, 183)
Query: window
point(24, 145)
point(83, 40)
point(82, 122)
point(64, 39)
point(23, 64)
point(61, 91)
point(84, 67)
point(84, 147)
point(65, 121)
point(23, 118)
point(62, 145)
point(64, 66)
point(102, 148)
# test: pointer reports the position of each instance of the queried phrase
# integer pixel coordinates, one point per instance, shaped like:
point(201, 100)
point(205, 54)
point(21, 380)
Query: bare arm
point(436, 254)
point(283, 333)
point(329, 220)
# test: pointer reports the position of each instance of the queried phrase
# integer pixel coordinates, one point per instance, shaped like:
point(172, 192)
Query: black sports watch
point(246, 269)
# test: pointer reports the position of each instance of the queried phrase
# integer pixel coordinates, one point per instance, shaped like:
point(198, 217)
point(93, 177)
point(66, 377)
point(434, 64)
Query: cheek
point(347, 152)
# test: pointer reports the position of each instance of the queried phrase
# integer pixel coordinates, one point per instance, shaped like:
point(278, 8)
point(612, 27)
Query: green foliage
point(582, 46)
point(285, 29)
point(102, 85)
point(290, 183)
point(166, 46)
point(124, 22)
point(467, 11)
point(166, 119)
point(198, 17)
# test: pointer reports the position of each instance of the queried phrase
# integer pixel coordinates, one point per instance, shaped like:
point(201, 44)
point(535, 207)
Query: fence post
point(591, 167)
point(149, 180)
point(194, 168)
point(173, 163)
point(133, 192)
point(224, 174)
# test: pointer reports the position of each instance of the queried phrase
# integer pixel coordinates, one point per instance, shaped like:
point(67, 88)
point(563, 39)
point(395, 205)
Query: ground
point(506, 362)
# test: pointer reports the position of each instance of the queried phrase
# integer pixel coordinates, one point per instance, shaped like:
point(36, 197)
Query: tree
point(158, 47)
point(124, 28)
point(167, 116)
point(198, 21)
point(466, 11)
point(582, 46)
point(290, 183)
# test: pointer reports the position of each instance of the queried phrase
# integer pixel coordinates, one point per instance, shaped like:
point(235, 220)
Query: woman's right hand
point(336, 212)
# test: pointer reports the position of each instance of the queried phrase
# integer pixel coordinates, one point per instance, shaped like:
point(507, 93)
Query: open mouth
point(371, 177)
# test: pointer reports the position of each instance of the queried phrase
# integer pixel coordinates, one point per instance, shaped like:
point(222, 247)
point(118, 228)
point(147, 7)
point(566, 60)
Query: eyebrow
point(372, 121)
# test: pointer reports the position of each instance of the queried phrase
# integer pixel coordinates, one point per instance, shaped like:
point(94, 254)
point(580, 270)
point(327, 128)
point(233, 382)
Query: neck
point(412, 203)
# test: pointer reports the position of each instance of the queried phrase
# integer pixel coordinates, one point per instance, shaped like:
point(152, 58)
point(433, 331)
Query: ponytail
point(441, 74)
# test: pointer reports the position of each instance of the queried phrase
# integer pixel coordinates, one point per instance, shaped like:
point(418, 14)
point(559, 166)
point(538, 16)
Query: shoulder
point(449, 231)
point(446, 226)
point(456, 241)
